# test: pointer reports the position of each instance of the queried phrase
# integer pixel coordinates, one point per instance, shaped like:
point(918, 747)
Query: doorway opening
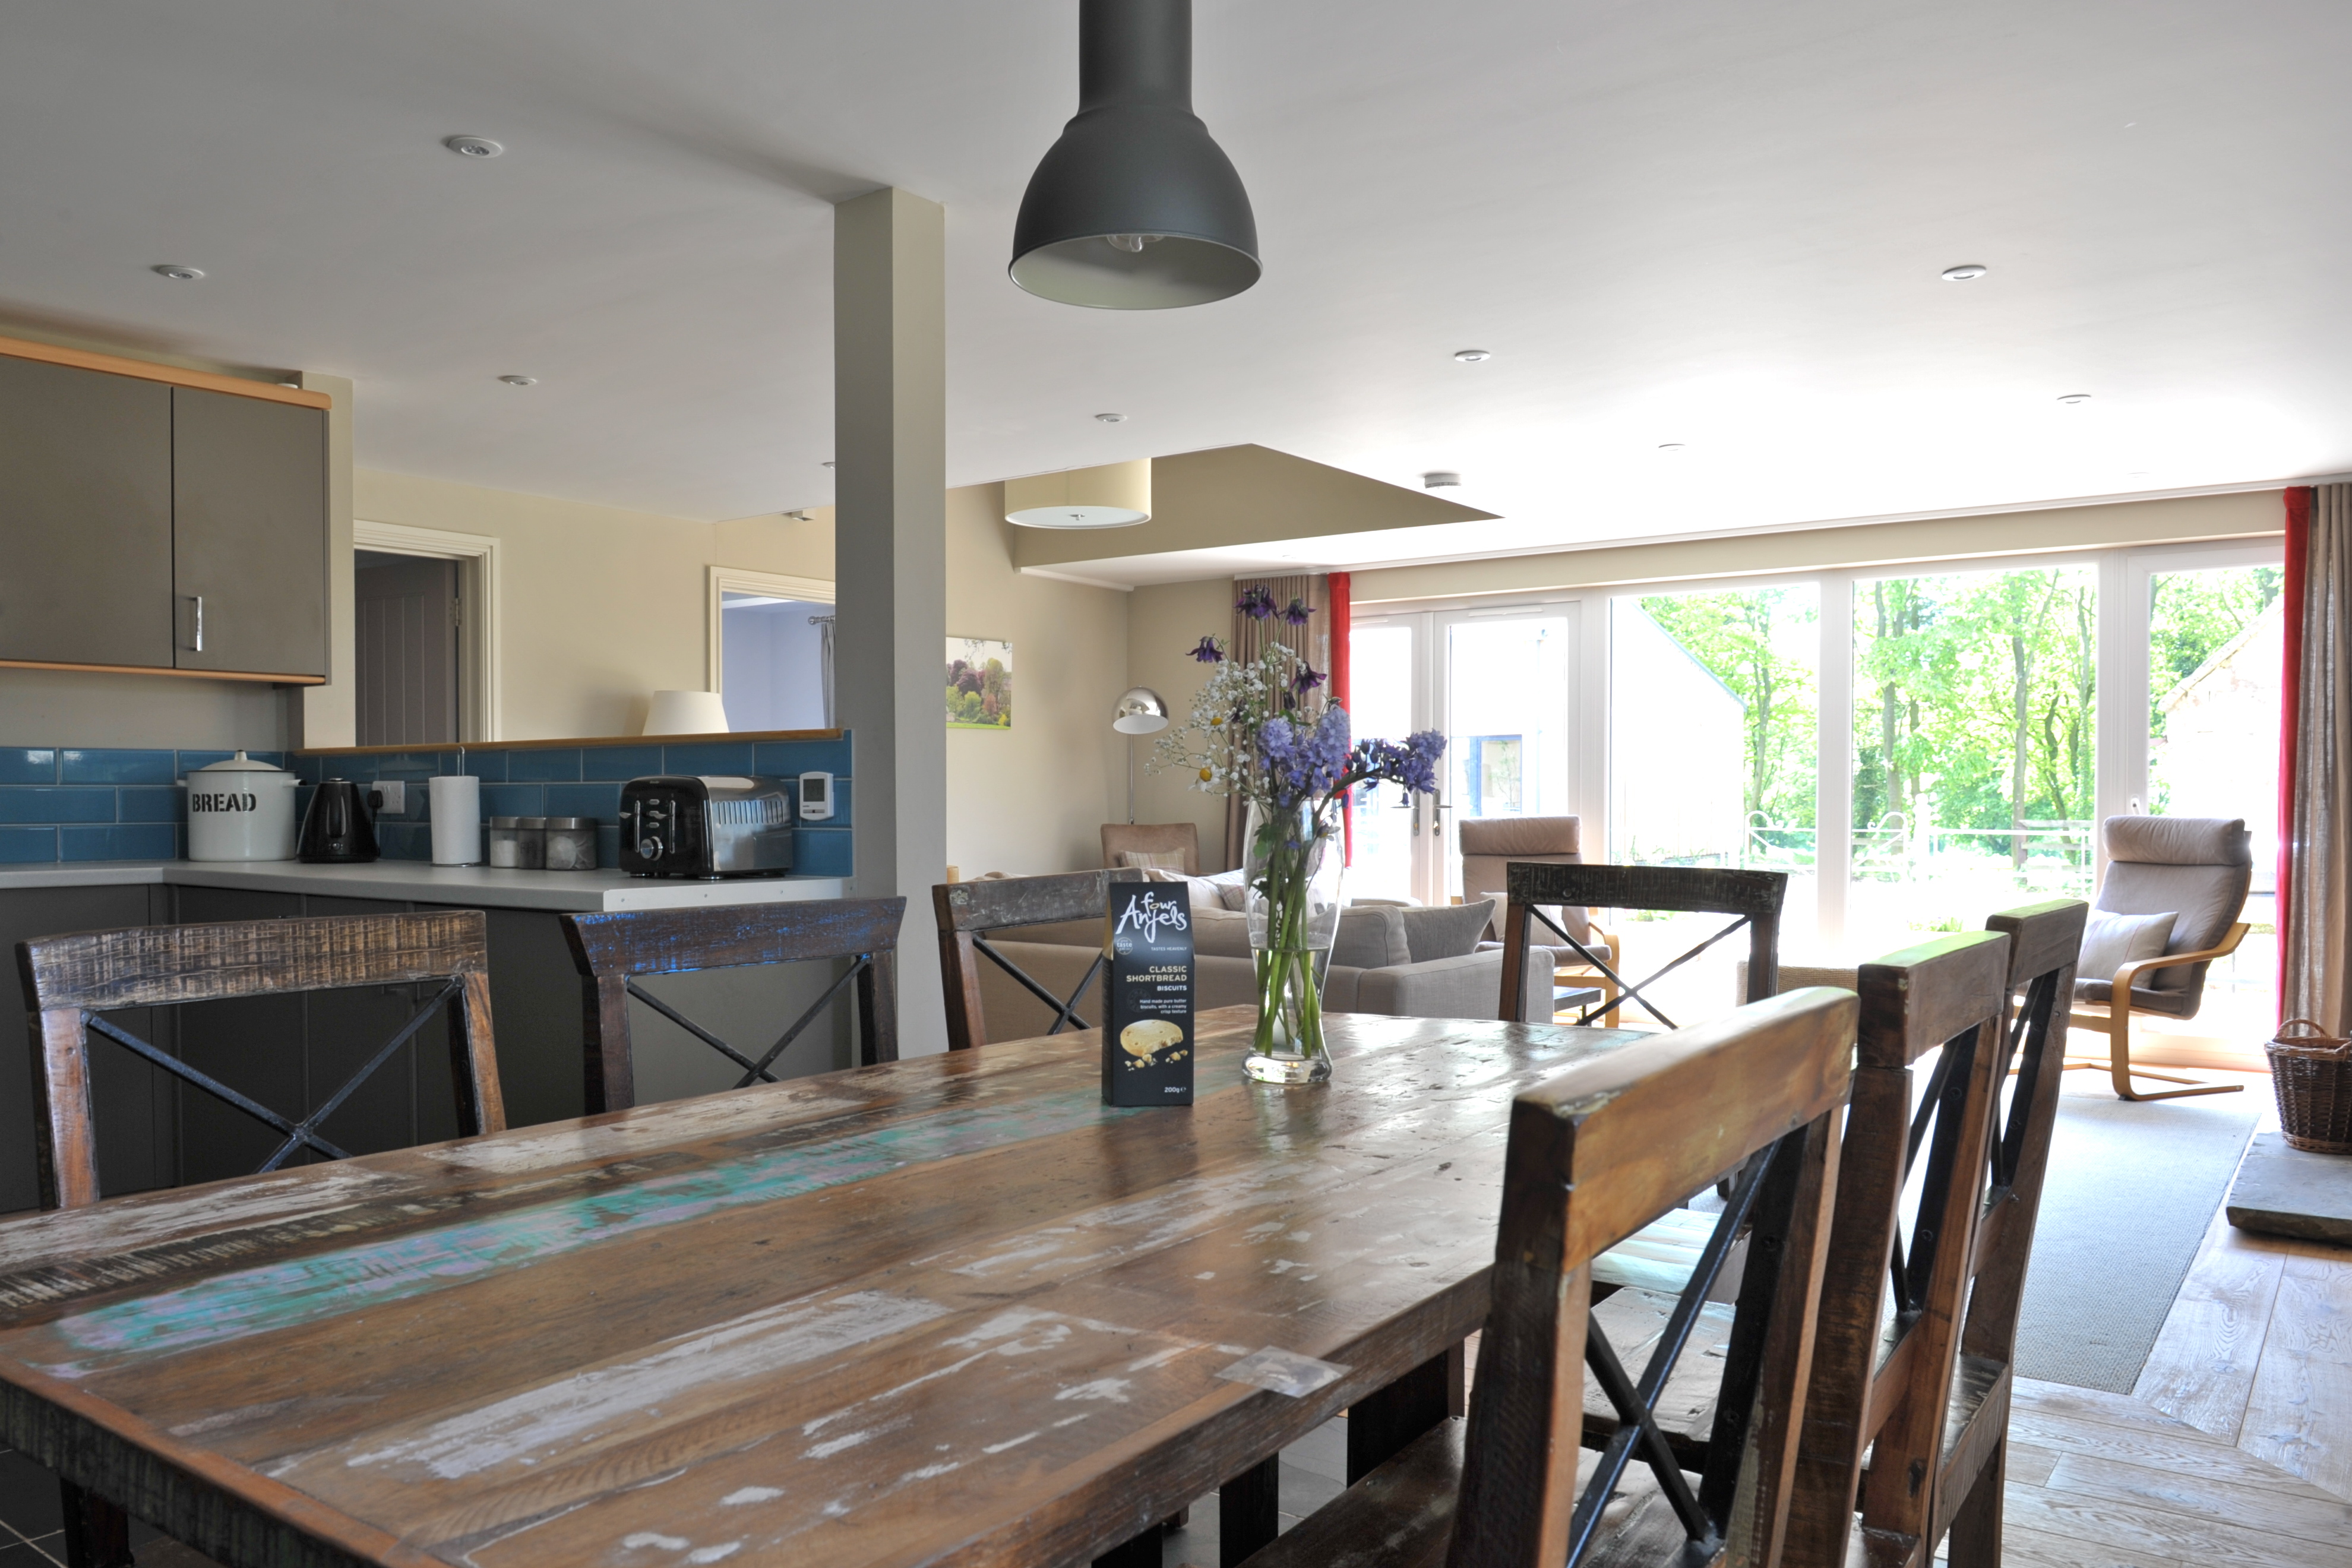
point(776, 655)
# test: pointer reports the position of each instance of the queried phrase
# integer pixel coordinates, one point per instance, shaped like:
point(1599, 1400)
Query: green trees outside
point(1763, 644)
point(1974, 706)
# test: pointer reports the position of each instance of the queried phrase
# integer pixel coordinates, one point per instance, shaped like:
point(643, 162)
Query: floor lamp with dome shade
point(1140, 711)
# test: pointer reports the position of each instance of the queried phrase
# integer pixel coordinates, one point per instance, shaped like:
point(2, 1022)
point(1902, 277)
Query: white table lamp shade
point(687, 713)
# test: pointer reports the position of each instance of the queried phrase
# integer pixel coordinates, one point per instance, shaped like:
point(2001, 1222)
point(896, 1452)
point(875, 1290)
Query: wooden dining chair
point(1752, 899)
point(72, 981)
point(1912, 1361)
point(613, 948)
point(1591, 1155)
point(969, 913)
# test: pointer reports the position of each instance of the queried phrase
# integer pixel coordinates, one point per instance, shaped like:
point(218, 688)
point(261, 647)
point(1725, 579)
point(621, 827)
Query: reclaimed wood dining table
point(952, 1309)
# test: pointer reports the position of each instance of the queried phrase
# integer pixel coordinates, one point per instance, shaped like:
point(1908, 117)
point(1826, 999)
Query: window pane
point(1713, 762)
point(2216, 646)
point(1974, 704)
point(1380, 708)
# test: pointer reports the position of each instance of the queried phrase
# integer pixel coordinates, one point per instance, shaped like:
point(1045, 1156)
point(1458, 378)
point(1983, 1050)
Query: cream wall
point(1033, 798)
point(2049, 529)
point(88, 707)
point(599, 607)
point(1164, 623)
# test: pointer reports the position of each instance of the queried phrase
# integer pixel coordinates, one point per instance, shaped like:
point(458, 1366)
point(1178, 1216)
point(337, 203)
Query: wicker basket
point(2312, 1075)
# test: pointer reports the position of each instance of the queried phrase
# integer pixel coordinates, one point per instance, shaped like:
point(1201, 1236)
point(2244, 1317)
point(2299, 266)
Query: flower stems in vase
point(1261, 730)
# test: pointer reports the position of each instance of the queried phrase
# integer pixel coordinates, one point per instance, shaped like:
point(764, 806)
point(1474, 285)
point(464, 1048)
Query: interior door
point(406, 640)
point(248, 534)
point(85, 516)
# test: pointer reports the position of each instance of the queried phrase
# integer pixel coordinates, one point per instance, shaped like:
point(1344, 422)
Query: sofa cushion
point(1371, 936)
point(1224, 932)
point(1446, 931)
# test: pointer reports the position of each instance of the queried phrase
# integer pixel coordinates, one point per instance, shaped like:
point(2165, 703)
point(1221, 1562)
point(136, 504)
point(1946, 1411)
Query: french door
point(1500, 686)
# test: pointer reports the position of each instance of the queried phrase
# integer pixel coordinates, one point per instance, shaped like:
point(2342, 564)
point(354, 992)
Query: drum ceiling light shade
point(687, 713)
point(1116, 495)
point(1135, 208)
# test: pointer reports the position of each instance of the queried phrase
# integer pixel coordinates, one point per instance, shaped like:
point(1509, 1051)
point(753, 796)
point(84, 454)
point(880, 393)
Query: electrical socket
point(396, 798)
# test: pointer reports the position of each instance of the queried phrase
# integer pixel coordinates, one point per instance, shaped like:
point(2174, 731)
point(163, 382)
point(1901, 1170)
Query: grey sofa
point(1406, 964)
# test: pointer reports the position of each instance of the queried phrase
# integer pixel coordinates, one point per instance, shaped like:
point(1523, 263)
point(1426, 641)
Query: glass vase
point(1293, 866)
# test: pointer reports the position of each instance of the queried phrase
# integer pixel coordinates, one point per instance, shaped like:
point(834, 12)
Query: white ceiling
point(1715, 222)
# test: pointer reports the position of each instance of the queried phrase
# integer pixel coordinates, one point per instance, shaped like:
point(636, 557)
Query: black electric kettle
point(339, 827)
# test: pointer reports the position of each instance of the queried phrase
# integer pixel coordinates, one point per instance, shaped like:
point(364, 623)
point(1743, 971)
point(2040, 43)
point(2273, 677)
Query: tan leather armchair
point(2198, 867)
point(1490, 843)
point(1159, 838)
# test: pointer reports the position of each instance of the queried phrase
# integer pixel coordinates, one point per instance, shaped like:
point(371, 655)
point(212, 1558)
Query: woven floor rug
point(2131, 1190)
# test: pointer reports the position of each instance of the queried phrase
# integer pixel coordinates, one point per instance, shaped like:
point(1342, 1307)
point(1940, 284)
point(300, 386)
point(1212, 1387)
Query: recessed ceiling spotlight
point(1967, 271)
point(1439, 479)
point(1112, 419)
point(1670, 446)
point(177, 273)
point(2072, 398)
point(828, 463)
point(1473, 356)
point(519, 379)
point(473, 146)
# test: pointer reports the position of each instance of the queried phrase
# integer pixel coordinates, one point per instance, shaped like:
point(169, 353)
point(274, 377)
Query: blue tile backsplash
point(128, 803)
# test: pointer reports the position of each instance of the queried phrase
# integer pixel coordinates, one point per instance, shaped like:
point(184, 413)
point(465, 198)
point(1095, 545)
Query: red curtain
point(2298, 546)
point(1342, 691)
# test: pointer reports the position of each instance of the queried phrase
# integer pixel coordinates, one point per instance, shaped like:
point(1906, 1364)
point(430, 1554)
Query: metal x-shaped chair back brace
point(1752, 899)
point(755, 1071)
point(1764, 1191)
point(299, 1135)
point(969, 913)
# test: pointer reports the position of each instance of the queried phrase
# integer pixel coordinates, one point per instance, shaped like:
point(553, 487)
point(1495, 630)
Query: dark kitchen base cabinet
point(154, 1132)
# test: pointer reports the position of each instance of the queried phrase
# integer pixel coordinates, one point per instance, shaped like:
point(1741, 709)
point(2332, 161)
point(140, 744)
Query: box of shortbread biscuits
point(1147, 1037)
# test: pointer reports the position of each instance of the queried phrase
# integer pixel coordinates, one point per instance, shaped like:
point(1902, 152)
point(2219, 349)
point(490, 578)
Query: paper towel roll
point(456, 819)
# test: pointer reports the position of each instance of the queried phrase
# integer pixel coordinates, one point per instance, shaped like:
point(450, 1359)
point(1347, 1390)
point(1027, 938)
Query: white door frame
point(479, 599)
point(725, 580)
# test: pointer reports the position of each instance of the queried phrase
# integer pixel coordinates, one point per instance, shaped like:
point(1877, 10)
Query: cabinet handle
point(198, 644)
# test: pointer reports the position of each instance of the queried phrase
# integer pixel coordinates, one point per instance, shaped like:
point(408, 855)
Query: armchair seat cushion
point(2172, 1003)
point(2201, 868)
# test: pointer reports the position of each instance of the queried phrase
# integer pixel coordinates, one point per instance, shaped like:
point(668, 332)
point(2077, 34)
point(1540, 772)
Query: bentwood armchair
point(2197, 869)
point(1491, 843)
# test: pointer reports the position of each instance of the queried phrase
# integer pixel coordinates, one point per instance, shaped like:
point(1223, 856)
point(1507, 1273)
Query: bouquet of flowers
point(1258, 732)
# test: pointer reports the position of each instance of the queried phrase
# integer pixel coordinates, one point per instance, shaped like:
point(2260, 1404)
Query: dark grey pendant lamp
point(1135, 208)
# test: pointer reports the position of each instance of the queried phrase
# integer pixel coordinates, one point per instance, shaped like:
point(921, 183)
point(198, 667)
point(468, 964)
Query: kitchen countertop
point(422, 882)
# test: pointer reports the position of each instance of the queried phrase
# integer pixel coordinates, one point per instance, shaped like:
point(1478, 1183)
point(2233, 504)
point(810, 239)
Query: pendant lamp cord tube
point(1135, 52)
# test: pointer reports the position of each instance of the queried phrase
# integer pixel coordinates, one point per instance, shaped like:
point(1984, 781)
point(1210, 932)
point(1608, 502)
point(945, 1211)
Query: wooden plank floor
point(2234, 1448)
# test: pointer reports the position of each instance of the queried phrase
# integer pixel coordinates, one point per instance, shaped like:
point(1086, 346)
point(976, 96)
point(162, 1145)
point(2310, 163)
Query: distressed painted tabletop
point(952, 1309)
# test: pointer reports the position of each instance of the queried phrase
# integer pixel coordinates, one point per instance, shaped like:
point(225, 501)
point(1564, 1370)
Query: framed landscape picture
point(979, 684)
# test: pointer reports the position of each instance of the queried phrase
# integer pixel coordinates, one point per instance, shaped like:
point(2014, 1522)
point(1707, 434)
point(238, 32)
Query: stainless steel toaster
point(720, 825)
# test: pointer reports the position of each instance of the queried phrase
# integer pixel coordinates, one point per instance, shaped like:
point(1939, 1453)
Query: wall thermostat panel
point(816, 796)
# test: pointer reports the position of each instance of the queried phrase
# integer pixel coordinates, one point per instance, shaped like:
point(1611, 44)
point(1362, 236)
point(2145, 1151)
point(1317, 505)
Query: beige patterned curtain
point(1250, 638)
point(2315, 879)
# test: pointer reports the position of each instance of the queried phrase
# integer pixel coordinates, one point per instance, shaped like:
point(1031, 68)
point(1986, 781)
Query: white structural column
point(889, 421)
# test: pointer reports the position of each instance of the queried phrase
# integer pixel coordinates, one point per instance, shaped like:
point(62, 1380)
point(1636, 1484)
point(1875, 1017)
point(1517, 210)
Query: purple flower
point(1307, 679)
point(1302, 763)
point(1256, 602)
point(1209, 652)
point(1410, 764)
point(1297, 612)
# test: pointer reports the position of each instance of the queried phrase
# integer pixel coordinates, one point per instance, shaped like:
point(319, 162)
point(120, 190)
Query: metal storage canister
point(570, 844)
point(506, 842)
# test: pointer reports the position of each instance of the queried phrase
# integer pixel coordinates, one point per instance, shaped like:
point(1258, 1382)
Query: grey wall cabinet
point(249, 533)
point(149, 524)
point(85, 516)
